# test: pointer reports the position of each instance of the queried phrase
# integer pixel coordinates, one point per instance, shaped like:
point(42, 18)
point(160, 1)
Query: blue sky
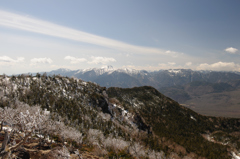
point(155, 34)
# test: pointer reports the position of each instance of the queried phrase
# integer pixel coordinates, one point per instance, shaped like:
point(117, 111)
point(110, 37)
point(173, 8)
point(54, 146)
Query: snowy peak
point(128, 71)
point(108, 68)
point(175, 71)
point(98, 71)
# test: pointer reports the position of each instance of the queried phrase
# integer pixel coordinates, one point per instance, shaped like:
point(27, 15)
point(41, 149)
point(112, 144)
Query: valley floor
point(224, 104)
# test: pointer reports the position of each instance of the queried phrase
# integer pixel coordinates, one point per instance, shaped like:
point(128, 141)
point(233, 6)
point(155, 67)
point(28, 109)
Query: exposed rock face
point(139, 121)
point(103, 103)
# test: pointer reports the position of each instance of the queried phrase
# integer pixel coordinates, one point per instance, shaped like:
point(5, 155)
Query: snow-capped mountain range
point(110, 77)
point(98, 71)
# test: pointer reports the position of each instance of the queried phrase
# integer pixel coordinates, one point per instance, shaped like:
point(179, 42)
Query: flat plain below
point(224, 104)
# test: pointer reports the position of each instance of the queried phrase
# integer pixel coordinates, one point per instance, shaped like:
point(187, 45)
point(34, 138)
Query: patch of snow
point(46, 112)
point(7, 79)
point(124, 112)
point(174, 71)
point(128, 71)
point(79, 71)
point(7, 128)
point(107, 68)
point(40, 136)
point(99, 71)
point(235, 156)
point(84, 83)
point(49, 140)
point(135, 105)
point(193, 118)
point(14, 87)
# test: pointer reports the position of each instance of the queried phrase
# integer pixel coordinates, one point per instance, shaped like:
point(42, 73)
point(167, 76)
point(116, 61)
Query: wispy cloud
point(231, 50)
point(9, 61)
point(219, 66)
point(21, 22)
point(36, 61)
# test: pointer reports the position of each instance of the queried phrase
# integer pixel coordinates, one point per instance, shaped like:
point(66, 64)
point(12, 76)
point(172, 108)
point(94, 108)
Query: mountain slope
point(117, 79)
point(169, 120)
point(84, 106)
point(143, 120)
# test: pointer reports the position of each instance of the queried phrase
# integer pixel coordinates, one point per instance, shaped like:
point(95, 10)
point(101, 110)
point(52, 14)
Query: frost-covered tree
point(156, 155)
point(95, 137)
point(71, 133)
point(137, 150)
point(62, 153)
point(30, 121)
point(116, 145)
point(24, 119)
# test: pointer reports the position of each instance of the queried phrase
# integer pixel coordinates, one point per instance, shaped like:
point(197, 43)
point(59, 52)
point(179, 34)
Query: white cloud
point(231, 50)
point(165, 65)
point(20, 22)
point(173, 53)
point(219, 66)
point(101, 60)
point(36, 61)
point(171, 63)
point(188, 64)
point(5, 60)
point(74, 60)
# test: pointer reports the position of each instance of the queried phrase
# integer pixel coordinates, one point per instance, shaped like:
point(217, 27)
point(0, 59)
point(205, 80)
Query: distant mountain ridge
point(110, 77)
point(98, 71)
